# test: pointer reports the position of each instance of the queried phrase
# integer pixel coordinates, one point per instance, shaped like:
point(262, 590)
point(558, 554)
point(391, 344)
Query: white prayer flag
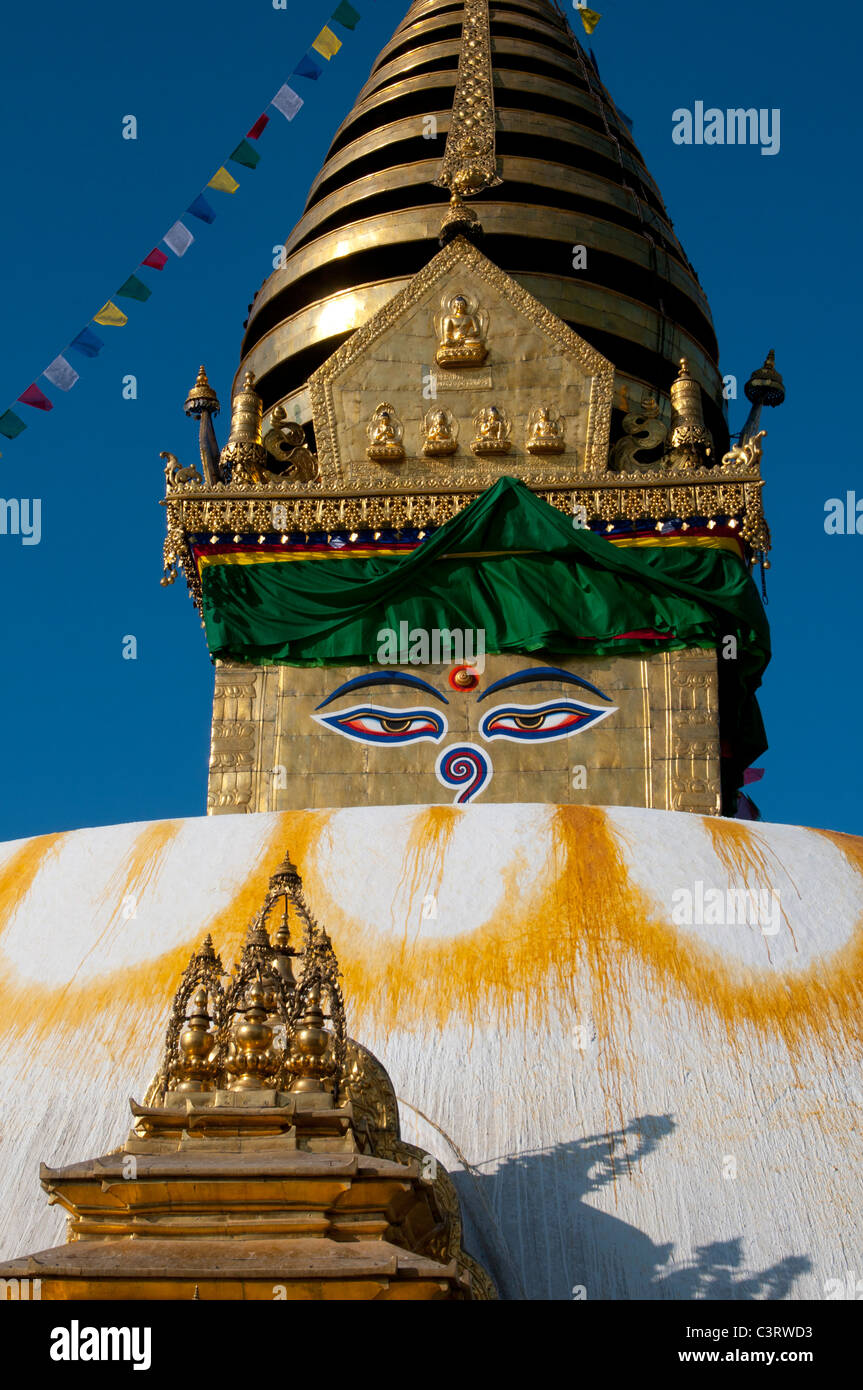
point(178, 239)
point(287, 101)
point(60, 374)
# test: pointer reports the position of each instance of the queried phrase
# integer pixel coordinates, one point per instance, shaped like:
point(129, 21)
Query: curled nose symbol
point(466, 768)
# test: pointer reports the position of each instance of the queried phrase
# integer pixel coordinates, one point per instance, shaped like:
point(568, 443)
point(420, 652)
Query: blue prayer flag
point(88, 343)
point(201, 209)
point(309, 67)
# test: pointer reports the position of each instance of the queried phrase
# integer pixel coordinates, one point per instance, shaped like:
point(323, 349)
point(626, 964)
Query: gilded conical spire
point(549, 164)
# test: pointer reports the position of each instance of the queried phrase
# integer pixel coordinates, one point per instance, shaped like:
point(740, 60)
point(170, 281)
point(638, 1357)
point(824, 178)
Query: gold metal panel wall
point(658, 747)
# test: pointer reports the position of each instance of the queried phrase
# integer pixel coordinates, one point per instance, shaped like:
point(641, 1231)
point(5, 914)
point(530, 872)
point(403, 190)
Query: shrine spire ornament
point(469, 162)
point(202, 404)
point(764, 387)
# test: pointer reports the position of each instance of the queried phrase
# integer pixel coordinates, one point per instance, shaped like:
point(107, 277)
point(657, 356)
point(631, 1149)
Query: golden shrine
point(265, 1161)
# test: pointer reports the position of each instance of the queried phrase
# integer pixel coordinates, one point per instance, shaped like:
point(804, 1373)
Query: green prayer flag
point(346, 15)
point(10, 425)
point(246, 154)
point(133, 288)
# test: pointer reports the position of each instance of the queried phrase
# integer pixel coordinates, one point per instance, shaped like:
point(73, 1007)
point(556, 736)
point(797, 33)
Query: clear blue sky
point(90, 738)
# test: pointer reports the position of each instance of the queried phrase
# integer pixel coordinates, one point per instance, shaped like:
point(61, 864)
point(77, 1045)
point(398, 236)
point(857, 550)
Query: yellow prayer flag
point(223, 182)
point(110, 316)
point(326, 43)
point(589, 19)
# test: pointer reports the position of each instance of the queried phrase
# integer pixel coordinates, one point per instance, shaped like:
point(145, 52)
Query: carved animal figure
point(285, 444)
point(746, 454)
point(644, 431)
point(175, 474)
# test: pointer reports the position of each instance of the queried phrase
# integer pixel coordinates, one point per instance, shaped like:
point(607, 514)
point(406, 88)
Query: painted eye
point(370, 724)
point(561, 719)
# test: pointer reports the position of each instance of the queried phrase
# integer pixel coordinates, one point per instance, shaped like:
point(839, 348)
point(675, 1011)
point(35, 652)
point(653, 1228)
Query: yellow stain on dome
point(116, 1017)
point(424, 860)
point(19, 872)
point(577, 934)
point(749, 861)
point(588, 919)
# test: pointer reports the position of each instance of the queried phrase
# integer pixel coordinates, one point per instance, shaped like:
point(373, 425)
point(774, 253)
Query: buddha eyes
point(559, 719)
point(376, 724)
point(372, 724)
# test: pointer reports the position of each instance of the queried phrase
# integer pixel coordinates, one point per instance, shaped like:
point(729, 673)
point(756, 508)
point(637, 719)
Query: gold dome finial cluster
point(265, 1029)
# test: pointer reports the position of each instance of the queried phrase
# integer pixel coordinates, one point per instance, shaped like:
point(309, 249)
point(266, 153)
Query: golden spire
point(244, 452)
point(691, 441)
point(469, 161)
point(202, 397)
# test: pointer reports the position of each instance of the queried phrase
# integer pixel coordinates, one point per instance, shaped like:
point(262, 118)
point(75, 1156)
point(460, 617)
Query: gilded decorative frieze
point(223, 512)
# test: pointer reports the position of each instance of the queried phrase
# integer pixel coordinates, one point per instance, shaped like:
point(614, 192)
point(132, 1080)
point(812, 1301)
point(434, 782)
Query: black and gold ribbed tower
point(569, 175)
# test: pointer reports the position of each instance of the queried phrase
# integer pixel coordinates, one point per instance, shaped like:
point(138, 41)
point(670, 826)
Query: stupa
point(475, 567)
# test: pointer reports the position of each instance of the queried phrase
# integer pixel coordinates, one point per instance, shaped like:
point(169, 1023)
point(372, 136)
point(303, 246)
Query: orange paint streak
point(850, 846)
point(576, 935)
point(591, 926)
point(122, 1015)
point(131, 881)
point(18, 874)
point(423, 865)
point(746, 858)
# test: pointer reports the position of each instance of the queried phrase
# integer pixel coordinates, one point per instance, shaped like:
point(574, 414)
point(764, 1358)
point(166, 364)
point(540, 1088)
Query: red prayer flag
point(156, 259)
point(33, 396)
point(258, 127)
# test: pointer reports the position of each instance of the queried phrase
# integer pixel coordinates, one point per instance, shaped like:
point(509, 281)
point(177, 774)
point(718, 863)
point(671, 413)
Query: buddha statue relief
point(440, 433)
point(385, 432)
point(461, 328)
point(546, 431)
point(492, 430)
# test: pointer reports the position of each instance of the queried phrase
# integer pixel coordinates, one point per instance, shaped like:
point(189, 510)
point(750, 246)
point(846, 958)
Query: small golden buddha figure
point(492, 431)
point(440, 433)
point(546, 431)
point(385, 432)
point(461, 331)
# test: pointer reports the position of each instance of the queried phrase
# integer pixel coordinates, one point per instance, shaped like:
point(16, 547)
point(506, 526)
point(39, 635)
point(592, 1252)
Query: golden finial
point(202, 397)
point(691, 441)
point(244, 451)
point(307, 1061)
point(284, 953)
point(187, 1056)
point(252, 1061)
point(195, 1069)
point(202, 403)
point(765, 386)
point(287, 870)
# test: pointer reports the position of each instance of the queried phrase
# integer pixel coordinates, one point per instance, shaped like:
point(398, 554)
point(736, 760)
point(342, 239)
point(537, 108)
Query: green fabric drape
point(573, 592)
